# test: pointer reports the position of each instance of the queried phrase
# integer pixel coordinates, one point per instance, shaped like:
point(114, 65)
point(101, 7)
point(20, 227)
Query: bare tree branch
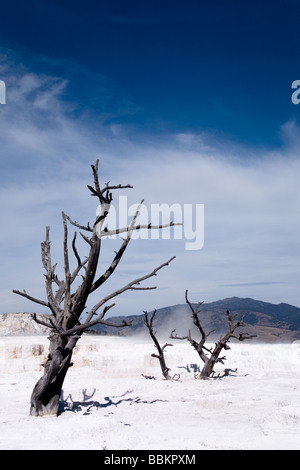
point(118, 256)
point(29, 297)
point(87, 227)
point(50, 325)
point(88, 324)
point(66, 266)
point(149, 226)
point(112, 267)
point(105, 196)
point(128, 286)
point(107, 187)
point(50, 275)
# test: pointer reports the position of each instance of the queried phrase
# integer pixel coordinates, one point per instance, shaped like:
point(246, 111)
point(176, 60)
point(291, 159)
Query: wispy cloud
point(251, 198)
point(252, 284)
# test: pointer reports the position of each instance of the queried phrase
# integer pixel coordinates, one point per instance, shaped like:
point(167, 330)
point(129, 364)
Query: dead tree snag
point(67, 302)
point(160, 349)
point(211, 356)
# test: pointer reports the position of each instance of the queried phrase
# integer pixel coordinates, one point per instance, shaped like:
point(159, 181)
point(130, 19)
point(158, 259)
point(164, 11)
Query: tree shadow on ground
point(87, 405)
point(196, 370)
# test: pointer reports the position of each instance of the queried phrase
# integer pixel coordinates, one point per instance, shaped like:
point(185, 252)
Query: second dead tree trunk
point(160, 349)
point(211, 356)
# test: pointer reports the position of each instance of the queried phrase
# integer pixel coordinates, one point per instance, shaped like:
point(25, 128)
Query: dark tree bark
point(211, 356)
point(67, 303)
point(160, 349)
point(45, 397)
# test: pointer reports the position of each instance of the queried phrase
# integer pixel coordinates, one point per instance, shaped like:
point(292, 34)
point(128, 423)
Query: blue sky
point(190, 102)
point(222, 66)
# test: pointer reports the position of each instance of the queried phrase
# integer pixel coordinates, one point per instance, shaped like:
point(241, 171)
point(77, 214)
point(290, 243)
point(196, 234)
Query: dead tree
point(211, 356)
point(67, 300)
point(160, 349)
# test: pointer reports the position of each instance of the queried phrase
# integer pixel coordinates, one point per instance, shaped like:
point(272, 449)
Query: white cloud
point(251, 201)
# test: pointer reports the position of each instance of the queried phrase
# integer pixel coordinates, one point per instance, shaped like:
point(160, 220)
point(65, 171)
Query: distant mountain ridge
point(270, 322)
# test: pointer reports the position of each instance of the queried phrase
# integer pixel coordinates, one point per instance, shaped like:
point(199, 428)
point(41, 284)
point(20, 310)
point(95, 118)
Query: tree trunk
point(46, 394)
point(207, 369)
point(160, 356)
point(210, 362)
point(163, 366)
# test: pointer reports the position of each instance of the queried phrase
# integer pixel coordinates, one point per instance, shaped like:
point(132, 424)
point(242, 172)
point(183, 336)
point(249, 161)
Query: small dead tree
point(160, 349)
point(211, 356)
point(67, 302)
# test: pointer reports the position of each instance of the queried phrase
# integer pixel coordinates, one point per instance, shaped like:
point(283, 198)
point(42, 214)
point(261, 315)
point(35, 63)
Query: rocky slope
point(20, 324)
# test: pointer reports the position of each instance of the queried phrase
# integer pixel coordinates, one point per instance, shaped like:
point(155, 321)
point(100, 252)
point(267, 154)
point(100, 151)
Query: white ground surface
point(256, 407)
